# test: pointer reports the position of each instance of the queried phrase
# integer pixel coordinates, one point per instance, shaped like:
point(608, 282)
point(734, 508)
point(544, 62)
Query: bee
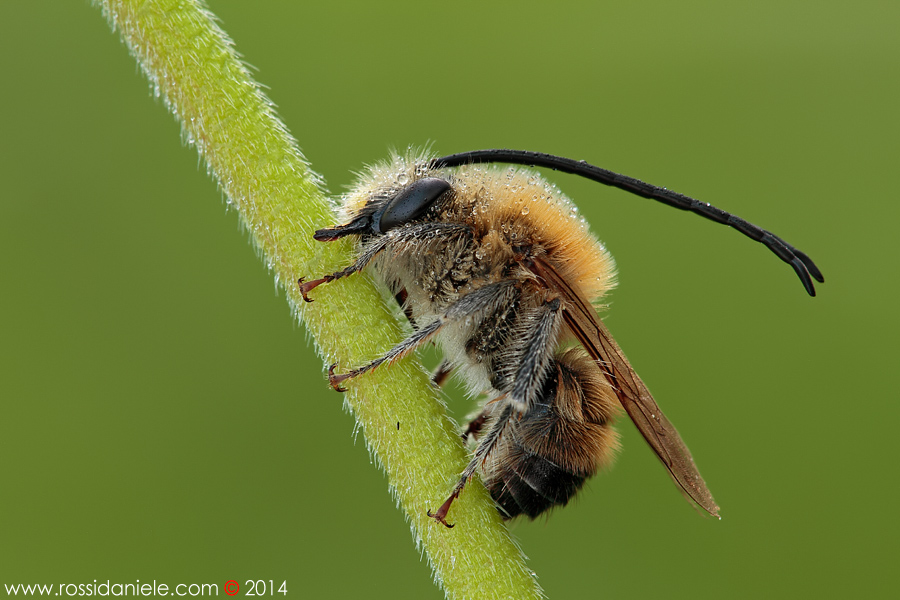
point(495, 266)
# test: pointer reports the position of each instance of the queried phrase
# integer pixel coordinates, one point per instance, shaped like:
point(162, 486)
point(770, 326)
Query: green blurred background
point(164, 417)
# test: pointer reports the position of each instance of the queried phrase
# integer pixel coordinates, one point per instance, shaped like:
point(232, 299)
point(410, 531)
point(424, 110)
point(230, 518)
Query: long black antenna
point(802, 264)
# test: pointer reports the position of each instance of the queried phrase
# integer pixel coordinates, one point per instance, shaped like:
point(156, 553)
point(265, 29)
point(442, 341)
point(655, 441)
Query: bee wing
point(581, 319)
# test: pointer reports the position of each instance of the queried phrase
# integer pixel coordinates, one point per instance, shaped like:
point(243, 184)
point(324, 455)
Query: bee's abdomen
point(532, 484)
point(544, 456)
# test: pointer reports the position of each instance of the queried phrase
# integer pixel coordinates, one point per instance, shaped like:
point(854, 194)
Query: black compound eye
point(410, 203)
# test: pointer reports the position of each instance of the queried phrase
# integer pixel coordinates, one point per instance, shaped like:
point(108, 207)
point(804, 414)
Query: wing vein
point(581, 320)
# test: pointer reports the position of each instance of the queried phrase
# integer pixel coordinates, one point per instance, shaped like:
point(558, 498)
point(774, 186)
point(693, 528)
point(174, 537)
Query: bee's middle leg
point(473, 303)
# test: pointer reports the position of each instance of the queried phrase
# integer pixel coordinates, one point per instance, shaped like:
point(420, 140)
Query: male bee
point(494, 265)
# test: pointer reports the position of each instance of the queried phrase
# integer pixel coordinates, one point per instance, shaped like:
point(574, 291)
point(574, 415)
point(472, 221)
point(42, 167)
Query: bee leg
point(537, 356)
point(441, 515)
point(473, 303)
point(419, 337)
point(475, 425)
point(481, 453)
point(308, 286)
point(441, 374)
point(526, 389)
point(361, 225)
point(401, 297)
point(368, 253)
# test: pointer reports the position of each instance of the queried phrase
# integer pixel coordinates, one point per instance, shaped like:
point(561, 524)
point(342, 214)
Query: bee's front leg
point(369, 252)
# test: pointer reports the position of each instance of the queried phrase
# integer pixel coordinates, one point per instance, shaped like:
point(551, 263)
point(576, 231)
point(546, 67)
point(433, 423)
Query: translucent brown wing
point(581, 319)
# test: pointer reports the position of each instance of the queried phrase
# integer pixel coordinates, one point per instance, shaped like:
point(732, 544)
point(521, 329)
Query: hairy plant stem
point(192, 65)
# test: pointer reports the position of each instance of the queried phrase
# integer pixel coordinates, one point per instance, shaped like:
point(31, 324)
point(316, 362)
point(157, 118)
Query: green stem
point(191, 63)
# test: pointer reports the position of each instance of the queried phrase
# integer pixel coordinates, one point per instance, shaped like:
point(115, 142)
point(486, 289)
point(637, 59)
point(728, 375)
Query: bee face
point(495, 266)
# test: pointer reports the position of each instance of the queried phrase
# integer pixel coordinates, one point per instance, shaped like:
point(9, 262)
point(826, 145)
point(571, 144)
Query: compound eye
point(410, 203)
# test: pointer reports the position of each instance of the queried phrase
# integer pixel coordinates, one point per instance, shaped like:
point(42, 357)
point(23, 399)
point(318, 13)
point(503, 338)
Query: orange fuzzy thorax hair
point(504, 205)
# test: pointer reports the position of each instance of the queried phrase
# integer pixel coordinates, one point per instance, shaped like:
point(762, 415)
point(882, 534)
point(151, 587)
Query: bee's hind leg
point(485, 446)
point(524, 389)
